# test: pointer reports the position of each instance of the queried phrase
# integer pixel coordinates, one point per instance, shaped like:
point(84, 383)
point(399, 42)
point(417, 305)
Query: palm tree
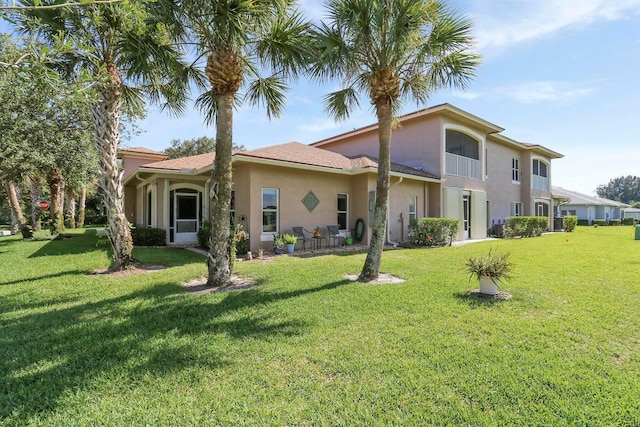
point(241, 38)
point(392, 50)
point(129, 49)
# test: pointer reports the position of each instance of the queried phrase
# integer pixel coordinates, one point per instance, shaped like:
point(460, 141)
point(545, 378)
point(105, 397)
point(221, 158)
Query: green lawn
point(306, 347)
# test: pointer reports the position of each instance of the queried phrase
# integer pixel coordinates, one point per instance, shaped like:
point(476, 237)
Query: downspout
point(389, 241)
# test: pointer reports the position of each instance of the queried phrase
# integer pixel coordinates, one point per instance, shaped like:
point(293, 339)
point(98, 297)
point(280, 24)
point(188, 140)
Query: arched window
point(462, 155)
point(540, 172)
point(462, 144)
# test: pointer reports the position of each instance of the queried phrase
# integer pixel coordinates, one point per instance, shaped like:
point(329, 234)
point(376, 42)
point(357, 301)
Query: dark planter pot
point(278, 251)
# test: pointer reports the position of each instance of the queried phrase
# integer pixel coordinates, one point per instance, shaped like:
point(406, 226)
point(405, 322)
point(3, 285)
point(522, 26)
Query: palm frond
point(207, 103)
point(339, 104)
point(268, 91)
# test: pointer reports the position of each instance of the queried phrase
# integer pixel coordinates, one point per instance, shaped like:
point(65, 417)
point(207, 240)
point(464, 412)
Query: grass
point(307, 347)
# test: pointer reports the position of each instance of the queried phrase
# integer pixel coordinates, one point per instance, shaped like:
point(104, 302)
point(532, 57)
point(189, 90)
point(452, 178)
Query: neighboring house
point(586, 207)
point(631, 213)
point(445, 163)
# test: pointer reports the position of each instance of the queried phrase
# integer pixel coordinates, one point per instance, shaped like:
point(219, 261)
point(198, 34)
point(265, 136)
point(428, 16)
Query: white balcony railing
point(463, 166)
point(540, 183)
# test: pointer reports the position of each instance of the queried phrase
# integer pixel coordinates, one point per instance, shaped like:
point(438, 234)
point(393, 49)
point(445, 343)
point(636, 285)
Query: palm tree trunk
point(62, 204)
point(70, 209)
point(34, 190)
point(218, 264)
point(82, 207)
point(371, 268)
point(54, 180)
point(106, 121)
point(14, 204)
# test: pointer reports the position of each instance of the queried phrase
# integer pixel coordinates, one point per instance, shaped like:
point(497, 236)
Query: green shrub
point(569, 222)
point(204, 235)
point(615, 221)
point(629, 221)
point(92, 219)
point(526, 226)
point(433, 231)
point(241, 240)
point(599, 222)
point(583, 222)
point(149, 236)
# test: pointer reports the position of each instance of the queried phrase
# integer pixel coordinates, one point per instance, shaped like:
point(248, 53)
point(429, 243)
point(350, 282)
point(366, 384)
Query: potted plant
point(290, 240)
point(490, 270)
point(316, 231)
point(278, 244)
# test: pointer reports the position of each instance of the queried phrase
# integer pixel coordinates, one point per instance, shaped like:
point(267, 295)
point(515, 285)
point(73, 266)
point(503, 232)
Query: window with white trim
point(515, 170)
point(413, 207)
point(343, 211)
point(517, 208)
point(540, 168)
point(568, 212)
point(270, 210)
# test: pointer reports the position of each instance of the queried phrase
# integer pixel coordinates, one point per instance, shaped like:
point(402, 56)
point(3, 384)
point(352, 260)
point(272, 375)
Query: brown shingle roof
point(141, 152)
point(364, 161)
point(291, 152)
point(193, 162)
point(295, 152)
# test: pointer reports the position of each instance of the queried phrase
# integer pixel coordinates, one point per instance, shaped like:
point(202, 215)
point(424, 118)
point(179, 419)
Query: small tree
point(239, 39)
point(391, 50)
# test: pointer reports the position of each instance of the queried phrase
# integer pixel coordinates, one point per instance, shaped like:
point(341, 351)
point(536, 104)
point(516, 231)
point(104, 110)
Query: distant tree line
point(624, 189)
point(192, 147)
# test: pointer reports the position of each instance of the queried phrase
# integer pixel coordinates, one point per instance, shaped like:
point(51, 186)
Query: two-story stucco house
point(445, 163)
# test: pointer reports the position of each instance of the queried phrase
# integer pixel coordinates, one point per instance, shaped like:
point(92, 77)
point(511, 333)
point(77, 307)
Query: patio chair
point(299, 232)
point(334, 234)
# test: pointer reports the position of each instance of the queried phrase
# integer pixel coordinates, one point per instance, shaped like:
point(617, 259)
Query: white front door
point(187, 217)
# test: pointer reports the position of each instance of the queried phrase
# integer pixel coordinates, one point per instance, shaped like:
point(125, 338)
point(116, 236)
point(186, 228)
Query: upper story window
point(515, 170)
point(462, 144)
point(540, 168)
point(462, 155)
point(540, 178)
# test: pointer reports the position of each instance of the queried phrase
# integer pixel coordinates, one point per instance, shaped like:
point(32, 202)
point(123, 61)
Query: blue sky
point(560, 73)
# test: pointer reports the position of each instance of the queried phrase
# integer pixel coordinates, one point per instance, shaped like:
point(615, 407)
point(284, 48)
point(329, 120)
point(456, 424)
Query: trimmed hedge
point(149, 236)
point(583, 222)
point(629, 221)
point(614, 222)
point(433, 231)
point(526, 226)
point(569, 222)
point(599, 222)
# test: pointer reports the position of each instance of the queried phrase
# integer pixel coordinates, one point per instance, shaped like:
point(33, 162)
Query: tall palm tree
point(129, 49)
point(241, 39)
point(392, 50)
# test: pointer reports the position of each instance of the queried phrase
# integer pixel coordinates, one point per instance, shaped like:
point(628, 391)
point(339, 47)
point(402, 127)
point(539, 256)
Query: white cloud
point(500, 24)
point(533, 92)
point(544, 91)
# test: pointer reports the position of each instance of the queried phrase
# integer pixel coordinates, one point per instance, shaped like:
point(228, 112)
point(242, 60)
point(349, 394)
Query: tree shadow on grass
point(43, 277)
point(47, 354)
point(475, 301)
point(77, 243)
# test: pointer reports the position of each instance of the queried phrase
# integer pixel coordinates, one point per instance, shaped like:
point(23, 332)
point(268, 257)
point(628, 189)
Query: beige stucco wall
point(501, 190)
point(293, 186)
point(399, 206)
